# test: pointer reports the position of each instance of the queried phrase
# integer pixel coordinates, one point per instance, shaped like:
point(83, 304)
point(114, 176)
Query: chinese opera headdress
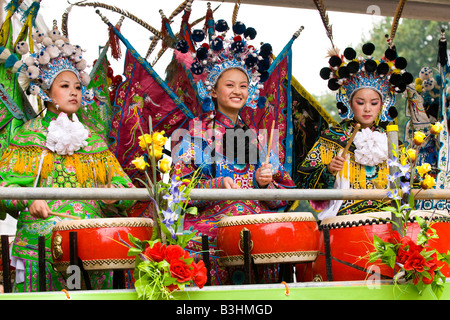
point(53, 54)
point(348, 73)
point(218, 52)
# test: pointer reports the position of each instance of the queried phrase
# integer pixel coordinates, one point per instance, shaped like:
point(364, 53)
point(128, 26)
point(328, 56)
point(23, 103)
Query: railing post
point(7, 288)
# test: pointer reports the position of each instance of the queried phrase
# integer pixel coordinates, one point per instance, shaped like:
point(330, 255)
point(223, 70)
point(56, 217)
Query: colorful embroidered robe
point(28, 163)
point(203, 141)
point(313, 172)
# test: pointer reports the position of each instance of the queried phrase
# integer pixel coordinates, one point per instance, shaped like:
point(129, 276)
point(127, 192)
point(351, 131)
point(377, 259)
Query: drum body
point(98, 242)
point(274, 238)
point(350, 241)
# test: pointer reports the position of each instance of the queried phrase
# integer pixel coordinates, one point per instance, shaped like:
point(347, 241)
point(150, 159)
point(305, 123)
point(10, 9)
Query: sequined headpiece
point(53, 55)
point(348, 73)
point(220, 53)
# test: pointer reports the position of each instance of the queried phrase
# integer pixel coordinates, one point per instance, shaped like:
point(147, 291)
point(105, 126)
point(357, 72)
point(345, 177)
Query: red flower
point(181, 271)
point(174, 252)
point(406, 249)
point(415, 262)
point(426, 280)
point(172, 287)
point(432, 264)
point(200, 275)
point(157, 252)
point(412, 246)
point(394, 237)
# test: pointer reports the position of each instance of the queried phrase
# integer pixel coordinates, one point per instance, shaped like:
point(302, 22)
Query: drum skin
point(274, 238)
point(351, 241)
point(98, 242)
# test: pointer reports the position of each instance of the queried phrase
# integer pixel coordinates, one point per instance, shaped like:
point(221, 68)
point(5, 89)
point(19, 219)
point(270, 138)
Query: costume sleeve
point(313, 172)
point(13, 207)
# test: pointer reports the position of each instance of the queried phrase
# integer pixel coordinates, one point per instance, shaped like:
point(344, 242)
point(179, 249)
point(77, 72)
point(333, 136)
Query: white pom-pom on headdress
point(67, 49)
point(17, 66)
point(32, 72)
point(22, 48)
point(85, 78)
point(59, 43)
point(4, 55)
point(43, 57)
point(47, 41)
point(53, 51)
point(30, 61)
point(37, 36)
point(81, 65)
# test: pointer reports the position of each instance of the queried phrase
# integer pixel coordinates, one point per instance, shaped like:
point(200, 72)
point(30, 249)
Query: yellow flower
point(423, 169)
point(436, 128)
point(419, 137)
point(159, 139)
point(157, 153)
point(412, 154)
point(144, 141)
point(140, 163)
point(428, 182)
point(164, 165)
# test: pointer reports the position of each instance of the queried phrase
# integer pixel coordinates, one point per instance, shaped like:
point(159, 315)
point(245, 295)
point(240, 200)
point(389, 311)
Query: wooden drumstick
point(109, 179)
point(269, 145)
point(62, 215)
point(349, 143)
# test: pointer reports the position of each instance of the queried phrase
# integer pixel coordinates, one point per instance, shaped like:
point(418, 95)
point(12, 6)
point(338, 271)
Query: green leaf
point(136, 242)
point(191, 210)
point(133, 252)
point(421, 238)
point(438, 288)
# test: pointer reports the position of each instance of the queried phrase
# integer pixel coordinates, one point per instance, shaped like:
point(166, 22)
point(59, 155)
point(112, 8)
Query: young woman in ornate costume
point(231, 84)
point(56, 151)
point(366, 95)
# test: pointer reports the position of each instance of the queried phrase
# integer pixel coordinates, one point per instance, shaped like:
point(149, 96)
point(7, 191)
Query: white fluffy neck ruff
point(371, 147)
point(66, 136)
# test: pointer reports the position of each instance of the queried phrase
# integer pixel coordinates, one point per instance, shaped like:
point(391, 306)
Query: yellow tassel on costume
point(90, 169)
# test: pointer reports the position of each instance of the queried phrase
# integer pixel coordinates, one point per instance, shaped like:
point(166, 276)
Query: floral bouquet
point(412, 259)
point(162, 265)
point(160, 269)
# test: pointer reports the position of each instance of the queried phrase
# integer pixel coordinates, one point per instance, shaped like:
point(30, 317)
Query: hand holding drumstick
point(337, 163)
point(108, 185)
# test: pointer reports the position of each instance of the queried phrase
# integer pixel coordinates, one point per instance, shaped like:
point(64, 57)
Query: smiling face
point(366, 105)
point(66, 93)
point(231, 92)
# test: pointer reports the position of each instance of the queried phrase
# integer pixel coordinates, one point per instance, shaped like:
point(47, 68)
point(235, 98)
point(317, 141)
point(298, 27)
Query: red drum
point(288, 237)
point(351, 242)
point(98, 242)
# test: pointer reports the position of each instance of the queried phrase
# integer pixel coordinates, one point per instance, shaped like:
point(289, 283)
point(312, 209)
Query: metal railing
point(213, 194)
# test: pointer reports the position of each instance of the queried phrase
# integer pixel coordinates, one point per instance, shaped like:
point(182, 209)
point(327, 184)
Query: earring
point(57, 106)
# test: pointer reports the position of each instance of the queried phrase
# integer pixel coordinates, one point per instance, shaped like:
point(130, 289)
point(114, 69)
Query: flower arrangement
point(160, 269)
point(162, 265)
point(412, 259)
